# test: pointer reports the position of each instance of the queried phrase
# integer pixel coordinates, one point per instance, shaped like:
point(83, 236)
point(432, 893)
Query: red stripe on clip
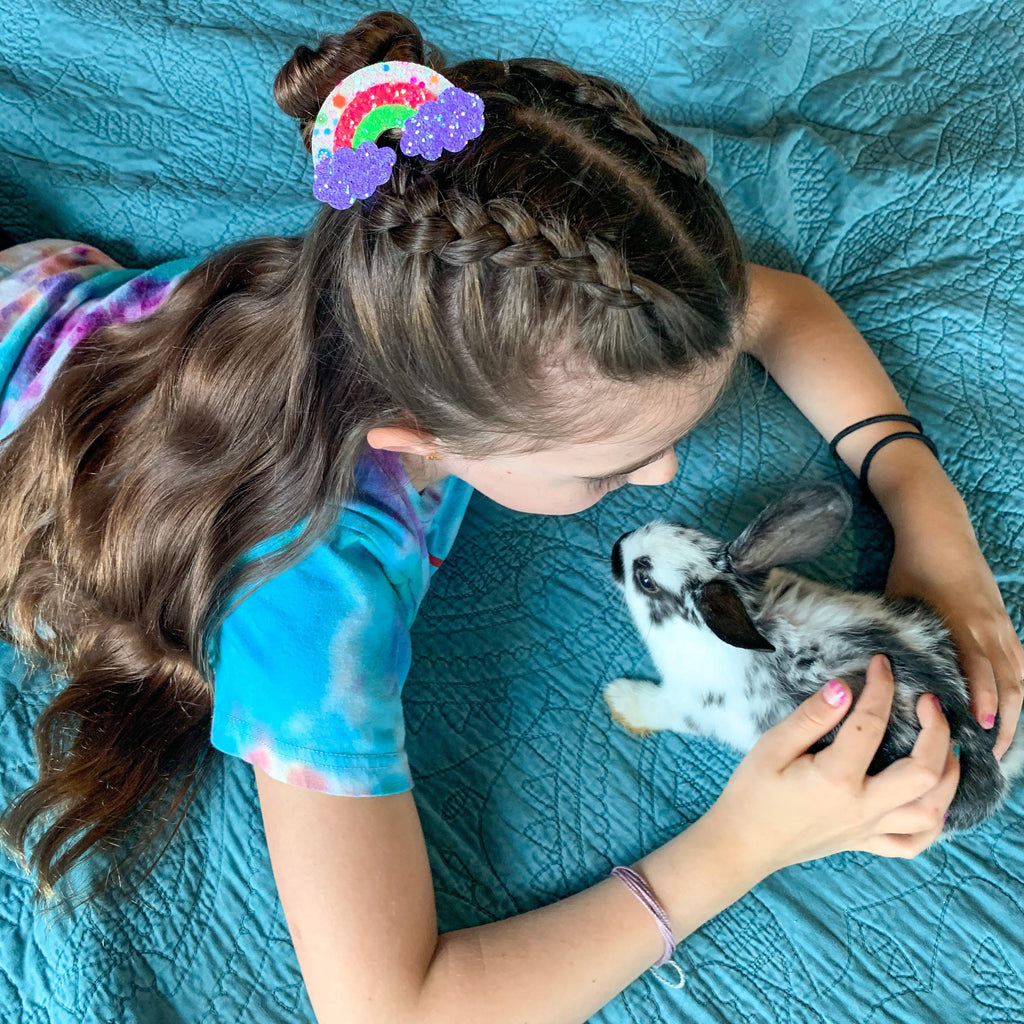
point(435, 561)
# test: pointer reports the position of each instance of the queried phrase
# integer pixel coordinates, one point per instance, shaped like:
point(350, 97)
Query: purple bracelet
point(641, 890)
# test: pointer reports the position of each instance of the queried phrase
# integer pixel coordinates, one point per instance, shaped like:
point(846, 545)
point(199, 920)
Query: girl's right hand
point(795, 806)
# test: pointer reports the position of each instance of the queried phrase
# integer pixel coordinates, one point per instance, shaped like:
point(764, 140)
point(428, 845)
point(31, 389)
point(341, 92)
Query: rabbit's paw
point(634, 704)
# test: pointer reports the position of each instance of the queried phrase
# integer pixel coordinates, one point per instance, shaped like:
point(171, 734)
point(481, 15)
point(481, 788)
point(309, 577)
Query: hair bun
point(303, 84)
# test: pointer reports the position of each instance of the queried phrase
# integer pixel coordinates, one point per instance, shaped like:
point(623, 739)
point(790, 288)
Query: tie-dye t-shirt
point(309, 667)
point(52, 294)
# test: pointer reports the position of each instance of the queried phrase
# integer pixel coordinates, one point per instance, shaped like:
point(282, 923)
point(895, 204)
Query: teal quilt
point(876, 148)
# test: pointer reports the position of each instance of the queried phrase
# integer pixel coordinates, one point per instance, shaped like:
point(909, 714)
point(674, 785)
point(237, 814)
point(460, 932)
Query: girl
point(220, 516)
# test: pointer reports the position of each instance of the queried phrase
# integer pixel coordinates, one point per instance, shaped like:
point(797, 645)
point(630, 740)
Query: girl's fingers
point(926, 768)
point(982, 683)
point(1009, 718)
point(910, 829)
point(1010, 677)
point(928, 811)
point(901, 845)
point(805, 725)
point(1017, 652)
point(857, 741)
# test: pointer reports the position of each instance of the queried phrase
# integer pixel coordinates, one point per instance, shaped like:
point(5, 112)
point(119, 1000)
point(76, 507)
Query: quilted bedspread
point(877, 149)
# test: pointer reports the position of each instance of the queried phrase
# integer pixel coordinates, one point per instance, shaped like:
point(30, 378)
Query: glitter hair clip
point(433, 114)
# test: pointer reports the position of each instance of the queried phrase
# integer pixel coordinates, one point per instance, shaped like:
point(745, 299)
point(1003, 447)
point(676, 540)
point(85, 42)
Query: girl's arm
point(355, 883)
point(825, 366)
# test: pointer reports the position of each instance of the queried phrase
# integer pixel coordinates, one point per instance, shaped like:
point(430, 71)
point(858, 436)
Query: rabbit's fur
point(739, 643)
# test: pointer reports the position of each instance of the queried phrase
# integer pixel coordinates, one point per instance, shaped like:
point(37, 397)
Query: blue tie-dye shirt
point(309, 667)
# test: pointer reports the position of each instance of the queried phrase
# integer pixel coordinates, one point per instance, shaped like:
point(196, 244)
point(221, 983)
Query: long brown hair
point(572, 229)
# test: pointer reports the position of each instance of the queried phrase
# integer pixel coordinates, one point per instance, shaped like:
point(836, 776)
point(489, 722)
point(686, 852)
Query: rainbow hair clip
point(434, 115)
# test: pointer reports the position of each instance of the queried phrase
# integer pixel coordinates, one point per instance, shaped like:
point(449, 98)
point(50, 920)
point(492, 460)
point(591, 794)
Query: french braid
point(504, 232)
point(461, 229)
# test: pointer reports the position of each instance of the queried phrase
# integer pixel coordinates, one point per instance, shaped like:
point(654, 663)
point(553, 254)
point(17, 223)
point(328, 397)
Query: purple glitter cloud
point(448, 122)
point(342, 177)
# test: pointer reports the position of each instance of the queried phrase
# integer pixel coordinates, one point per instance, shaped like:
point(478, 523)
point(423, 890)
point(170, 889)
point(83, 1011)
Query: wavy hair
point(573, 229)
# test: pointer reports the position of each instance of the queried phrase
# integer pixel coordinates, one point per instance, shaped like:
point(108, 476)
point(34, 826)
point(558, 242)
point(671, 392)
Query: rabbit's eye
point(645, 582)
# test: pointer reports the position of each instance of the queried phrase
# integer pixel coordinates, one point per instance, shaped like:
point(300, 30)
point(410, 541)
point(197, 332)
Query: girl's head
point(533, 305)
point(553, 305)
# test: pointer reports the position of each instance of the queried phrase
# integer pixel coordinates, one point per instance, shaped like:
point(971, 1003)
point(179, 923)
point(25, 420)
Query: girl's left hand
point(944, 566)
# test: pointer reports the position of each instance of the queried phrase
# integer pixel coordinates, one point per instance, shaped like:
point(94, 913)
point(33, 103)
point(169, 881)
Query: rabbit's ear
point(723, 611)
point(798, 526)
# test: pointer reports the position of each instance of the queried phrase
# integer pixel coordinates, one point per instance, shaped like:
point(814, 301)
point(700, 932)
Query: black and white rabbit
point(739, 643)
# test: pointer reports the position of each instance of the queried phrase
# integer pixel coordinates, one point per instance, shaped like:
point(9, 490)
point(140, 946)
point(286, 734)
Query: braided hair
point(573, 235)
point(573, 230)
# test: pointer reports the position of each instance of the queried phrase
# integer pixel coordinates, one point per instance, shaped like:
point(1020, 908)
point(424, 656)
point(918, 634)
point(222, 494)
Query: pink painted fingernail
point(988, 721)
point(835, 693)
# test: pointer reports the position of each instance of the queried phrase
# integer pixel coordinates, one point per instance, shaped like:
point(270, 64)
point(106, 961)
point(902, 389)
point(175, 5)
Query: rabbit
point(739, 643)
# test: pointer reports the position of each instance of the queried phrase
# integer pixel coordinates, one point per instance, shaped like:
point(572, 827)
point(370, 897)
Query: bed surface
point(877, 150)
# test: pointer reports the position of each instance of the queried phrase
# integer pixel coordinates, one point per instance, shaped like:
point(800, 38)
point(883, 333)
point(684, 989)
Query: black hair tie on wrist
point(924, 438)
point(884, 418)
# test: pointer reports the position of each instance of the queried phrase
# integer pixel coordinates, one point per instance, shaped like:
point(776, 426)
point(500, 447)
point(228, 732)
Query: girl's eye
point(605, 483)
point(645, 582)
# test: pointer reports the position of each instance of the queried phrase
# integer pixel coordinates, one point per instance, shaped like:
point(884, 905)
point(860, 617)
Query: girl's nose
point(657, 473)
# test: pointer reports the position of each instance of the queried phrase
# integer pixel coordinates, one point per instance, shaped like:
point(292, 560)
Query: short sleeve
point(309, 671)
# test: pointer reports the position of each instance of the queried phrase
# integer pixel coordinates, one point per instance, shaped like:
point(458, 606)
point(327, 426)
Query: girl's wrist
point(713, 853)
point(910, 484)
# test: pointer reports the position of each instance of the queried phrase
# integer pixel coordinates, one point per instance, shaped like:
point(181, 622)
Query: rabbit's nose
point(617, 572)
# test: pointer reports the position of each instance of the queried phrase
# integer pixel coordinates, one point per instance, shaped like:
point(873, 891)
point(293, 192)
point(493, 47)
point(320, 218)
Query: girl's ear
point(798, 526)
point(405, 440)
